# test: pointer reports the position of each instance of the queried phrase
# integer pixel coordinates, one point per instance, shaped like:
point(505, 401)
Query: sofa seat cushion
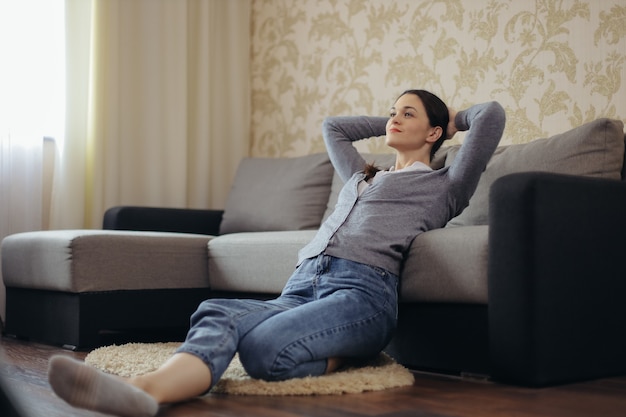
point(104, 260)
point(260, 262)
point(447, 265)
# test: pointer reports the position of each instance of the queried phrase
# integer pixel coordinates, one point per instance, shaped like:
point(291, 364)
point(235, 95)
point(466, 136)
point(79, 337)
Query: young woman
point(341, 301)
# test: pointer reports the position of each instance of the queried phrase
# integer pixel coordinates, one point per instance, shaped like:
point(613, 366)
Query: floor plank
point(24, 368)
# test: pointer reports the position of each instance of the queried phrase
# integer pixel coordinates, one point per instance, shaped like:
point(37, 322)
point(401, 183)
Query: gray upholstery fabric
point(447, 265)
point(444, 265)
point(104, 260)
point(383, 161)
point(255, 262)
point(270, 194)
point(595, 149)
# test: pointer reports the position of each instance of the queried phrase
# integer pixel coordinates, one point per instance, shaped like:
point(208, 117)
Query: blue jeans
point(330, 307)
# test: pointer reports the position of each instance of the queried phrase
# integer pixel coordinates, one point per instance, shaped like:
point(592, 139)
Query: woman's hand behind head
point(452, 129)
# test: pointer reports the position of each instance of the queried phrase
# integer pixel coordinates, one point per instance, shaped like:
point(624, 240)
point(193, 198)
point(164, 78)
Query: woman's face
point(408, 127)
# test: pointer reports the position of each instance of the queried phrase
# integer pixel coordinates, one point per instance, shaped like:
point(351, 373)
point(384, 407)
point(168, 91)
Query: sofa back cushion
point(595, 149)
point(273, 194)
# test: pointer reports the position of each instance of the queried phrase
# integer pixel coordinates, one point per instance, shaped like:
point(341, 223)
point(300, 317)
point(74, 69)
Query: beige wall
point(552, 64)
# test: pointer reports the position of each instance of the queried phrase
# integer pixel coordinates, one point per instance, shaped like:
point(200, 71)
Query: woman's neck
point(404, 160)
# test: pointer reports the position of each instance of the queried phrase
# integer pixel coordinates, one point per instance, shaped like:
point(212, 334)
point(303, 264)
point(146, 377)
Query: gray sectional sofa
point(526, 286)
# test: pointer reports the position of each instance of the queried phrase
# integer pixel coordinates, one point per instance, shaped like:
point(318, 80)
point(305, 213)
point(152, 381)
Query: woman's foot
point(85, 387)
point(332, 364)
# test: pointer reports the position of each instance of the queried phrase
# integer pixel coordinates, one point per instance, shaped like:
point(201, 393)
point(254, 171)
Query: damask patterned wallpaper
point(553, 64)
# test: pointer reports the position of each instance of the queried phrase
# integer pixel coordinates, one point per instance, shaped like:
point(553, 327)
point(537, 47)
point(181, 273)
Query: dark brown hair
point(370, 170)
point(438, 115)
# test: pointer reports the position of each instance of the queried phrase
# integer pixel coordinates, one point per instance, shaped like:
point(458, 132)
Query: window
point(32, 80)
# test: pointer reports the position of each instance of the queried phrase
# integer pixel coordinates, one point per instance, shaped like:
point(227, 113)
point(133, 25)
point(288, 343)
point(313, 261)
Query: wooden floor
point(24, 371)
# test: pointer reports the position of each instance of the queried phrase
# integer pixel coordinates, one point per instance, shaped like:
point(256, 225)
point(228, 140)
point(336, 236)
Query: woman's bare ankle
point(332, 364)
point(144, 384)
point(180, 378)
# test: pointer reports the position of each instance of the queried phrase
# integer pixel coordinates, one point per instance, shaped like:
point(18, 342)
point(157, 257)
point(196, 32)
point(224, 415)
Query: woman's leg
point(182, 377)
point(218, 325)
point(353, 315)
point(210, 345)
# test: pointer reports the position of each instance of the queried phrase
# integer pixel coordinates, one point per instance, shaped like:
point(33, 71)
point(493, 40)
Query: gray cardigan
point(377, 227)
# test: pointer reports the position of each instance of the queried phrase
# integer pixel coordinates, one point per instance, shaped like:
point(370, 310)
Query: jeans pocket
point(384, 288)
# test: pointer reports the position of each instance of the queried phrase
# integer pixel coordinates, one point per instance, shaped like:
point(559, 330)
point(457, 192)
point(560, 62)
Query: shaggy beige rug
point(138, 358)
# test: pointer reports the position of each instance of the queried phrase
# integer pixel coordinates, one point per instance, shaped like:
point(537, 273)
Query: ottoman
point(80, 288)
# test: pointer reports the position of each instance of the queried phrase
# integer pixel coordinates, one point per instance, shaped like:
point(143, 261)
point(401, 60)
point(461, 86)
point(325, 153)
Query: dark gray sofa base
point(443, 338)
point(91, 319)
point(428, 336)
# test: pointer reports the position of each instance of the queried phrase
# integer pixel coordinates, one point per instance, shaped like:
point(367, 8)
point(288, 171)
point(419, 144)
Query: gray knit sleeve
point(340, 132)
point(485, 124)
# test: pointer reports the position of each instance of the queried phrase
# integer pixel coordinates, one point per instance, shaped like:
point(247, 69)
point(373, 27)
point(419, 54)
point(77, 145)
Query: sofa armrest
point(163, 219)
point(557, 278)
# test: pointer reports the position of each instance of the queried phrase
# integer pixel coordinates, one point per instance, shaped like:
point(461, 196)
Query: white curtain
point(158, 105)
point(31, 107)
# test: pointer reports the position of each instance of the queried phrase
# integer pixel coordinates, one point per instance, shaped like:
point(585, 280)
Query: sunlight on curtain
point(31, 107)
point(68, 197)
